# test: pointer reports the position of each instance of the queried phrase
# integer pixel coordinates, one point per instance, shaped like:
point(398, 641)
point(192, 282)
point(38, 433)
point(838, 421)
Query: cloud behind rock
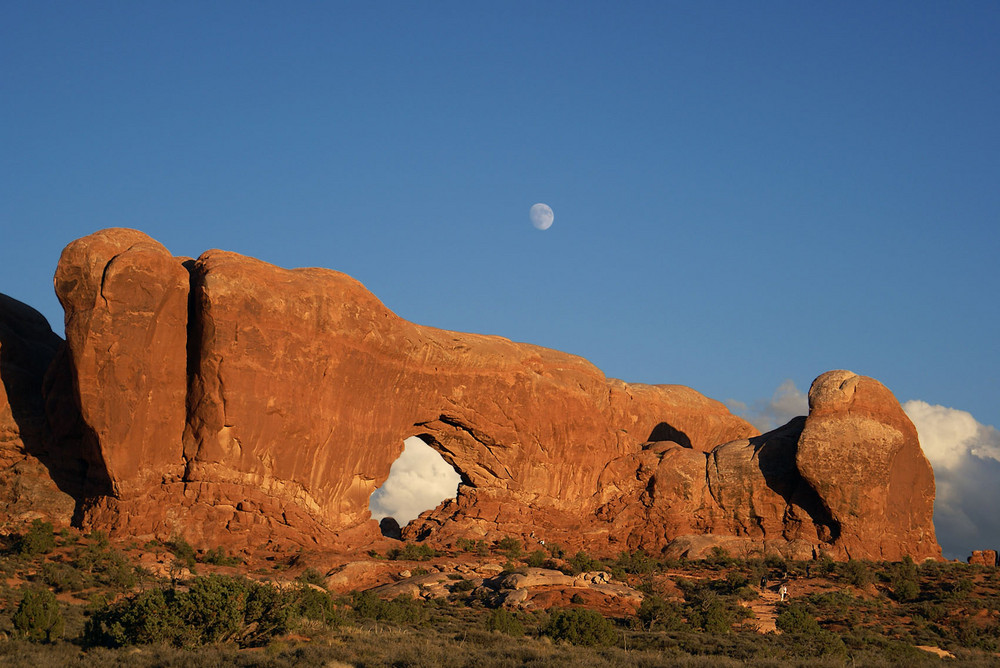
point(787, 402)
point(965, 455)
point(419, 480)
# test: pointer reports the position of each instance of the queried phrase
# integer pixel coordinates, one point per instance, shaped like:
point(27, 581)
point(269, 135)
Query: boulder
point(859, 452)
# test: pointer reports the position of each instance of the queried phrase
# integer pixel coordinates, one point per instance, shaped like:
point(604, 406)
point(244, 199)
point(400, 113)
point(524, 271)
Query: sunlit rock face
point(232, 401)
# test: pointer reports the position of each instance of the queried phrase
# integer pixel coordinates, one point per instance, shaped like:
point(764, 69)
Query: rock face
point(984, 558)
point(860, 453)
point(27, 348)
point(232, 401)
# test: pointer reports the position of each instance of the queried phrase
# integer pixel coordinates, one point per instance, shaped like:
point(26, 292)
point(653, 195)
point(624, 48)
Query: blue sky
point(744, 192)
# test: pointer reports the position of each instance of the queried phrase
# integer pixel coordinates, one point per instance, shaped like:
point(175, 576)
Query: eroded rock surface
point(232, 401)
point(984, 558)
point(27, 348)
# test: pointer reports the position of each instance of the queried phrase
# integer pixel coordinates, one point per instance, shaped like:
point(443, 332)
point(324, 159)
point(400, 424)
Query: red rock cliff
point(231, 400)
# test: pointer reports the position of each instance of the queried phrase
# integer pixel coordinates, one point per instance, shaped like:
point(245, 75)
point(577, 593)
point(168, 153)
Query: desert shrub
point(62, 577)
point(401, 610)
point(218, 557)
point(216, 608)
point(311, 576)
point(475, 546)
point(537, 558)
point(510, 547)
point(657, 612)
point(40, 538)
point(776, 562)
point(708, 611)
point(316, 605)
point(182, 550)
point(555, 550)
point(412, 552)
point(505, 622)
point(795, 619)
point(463, 585)
point(37, 617)
point(735, 580)
point(581, 562)
point(856, 573)
point(718, 556)
point(580, 626)
point(637, 563)
point(106, 565)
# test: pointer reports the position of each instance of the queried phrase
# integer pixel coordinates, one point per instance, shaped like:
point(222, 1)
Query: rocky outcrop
point(860, 453)
point(27, 488)
point(235, 402)
point(984, 558)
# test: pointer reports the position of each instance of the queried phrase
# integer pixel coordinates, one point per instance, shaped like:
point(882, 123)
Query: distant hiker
point(808, 569)
point(763, 582)
point(783, 591)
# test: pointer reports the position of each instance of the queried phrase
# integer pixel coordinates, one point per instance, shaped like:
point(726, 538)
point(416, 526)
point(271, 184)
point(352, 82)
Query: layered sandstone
point(233, 401)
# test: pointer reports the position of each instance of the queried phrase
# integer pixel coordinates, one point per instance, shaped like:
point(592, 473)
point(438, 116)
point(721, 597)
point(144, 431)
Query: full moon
point(542, 216)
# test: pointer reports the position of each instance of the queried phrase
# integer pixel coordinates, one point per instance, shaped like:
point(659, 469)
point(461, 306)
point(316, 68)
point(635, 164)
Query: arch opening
point(420, 479)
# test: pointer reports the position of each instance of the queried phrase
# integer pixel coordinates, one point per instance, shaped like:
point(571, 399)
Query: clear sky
point(745, 193)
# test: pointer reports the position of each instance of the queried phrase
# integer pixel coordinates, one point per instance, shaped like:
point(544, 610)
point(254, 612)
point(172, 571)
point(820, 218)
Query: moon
point(541, 216)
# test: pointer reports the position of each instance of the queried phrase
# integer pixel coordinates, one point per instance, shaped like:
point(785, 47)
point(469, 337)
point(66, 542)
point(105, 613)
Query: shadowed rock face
point(27, 489)
point(233, 401)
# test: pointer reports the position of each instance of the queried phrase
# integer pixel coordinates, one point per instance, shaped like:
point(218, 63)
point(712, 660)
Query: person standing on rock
point(763, 582)
point(784, 592)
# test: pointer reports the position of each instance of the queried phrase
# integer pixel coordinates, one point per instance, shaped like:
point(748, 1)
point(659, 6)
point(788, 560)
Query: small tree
point(38, 617)
point(657, 611)
point(580, 626)
point(38, 539)
point(505, 622)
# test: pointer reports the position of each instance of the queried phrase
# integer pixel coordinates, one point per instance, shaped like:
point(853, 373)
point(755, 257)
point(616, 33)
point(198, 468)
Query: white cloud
point(786, 403)
point(419, 480)
point(965, 455)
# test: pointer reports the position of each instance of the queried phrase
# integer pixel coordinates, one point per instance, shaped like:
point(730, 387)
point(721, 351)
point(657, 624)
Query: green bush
point(63, 577)
point(795, 619)
point(311, 576)
point(581, 562)
point(401, 610)
point(412, 552)
point(216, 608)
point(505, 622)
point(218, 557)
point(711, 615)
point(580, 626)
point(38, 617)
point(38, 539)
point(636, 563)
point(106, 565)
point(475, 546)
point(511, 547)
point(776, 562)
point(718, 556)
point(182, 550)
point(655, 611)
point(856, 573)
point(537, 558)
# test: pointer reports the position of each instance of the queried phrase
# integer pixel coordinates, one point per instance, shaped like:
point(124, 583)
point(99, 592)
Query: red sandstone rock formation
point(27, 347)
point(860, 453)
point(984, 558)
point(232, 401)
